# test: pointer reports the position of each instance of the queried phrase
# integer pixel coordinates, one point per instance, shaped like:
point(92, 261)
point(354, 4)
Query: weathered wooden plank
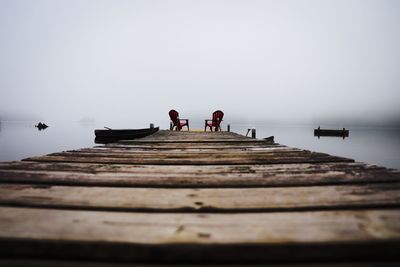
point(185, 237)
point(343, 167)
point(186, 161)
point(240, 157)
point(177, 145)
point(192, 141)
point(193, 137)
point(181, 149)
point(207, 200)
point(246, 169)
point(194, 176)
point(188, 154)
point(185, 152)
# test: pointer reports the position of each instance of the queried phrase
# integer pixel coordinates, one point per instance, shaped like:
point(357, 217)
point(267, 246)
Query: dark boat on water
point(327, 132)
point(111, 135)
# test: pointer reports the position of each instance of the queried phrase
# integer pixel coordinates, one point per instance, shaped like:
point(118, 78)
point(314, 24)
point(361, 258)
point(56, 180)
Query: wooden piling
point(195, 197)
point(253, 133)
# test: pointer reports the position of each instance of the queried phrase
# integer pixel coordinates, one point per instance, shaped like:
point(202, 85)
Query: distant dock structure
point(197, 198)
point(332, 133)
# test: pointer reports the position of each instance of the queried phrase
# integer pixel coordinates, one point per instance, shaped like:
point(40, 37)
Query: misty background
point(132, 61)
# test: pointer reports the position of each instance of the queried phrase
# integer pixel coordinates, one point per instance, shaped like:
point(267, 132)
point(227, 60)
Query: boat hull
point(107, 136)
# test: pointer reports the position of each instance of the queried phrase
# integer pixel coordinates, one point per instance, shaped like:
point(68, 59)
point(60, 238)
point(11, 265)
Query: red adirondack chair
point(215, 122)
point(176, 122)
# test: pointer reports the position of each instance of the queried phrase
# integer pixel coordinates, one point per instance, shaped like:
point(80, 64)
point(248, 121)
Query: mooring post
point(228, 128)
point(151, 125)
point(253, 133)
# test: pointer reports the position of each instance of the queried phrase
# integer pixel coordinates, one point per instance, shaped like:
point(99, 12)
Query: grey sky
point(282, 60)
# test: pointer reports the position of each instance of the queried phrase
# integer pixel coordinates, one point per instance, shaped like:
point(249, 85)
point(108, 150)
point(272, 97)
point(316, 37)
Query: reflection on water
point(19, 140)
point(371, 145)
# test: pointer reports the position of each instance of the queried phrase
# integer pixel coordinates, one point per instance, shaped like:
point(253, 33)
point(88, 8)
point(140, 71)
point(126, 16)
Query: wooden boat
point(327, 132)
point(112, 135)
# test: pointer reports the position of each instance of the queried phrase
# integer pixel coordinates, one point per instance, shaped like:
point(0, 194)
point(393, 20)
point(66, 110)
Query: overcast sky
point(302, 61)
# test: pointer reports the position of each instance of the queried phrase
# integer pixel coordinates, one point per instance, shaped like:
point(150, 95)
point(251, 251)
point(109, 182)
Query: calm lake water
point(379, 146)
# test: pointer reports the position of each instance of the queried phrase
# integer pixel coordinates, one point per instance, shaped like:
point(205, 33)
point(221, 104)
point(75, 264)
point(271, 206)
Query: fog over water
point(275, 61)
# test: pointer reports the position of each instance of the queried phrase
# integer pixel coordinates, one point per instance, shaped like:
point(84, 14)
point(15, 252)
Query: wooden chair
point(215, 122)
point(176, 122)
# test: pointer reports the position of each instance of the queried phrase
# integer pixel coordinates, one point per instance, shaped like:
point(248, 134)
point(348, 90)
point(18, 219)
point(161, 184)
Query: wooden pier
point(191, 197)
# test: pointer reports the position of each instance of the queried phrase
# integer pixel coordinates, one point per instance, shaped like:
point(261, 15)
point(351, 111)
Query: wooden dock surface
point(192, 197)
